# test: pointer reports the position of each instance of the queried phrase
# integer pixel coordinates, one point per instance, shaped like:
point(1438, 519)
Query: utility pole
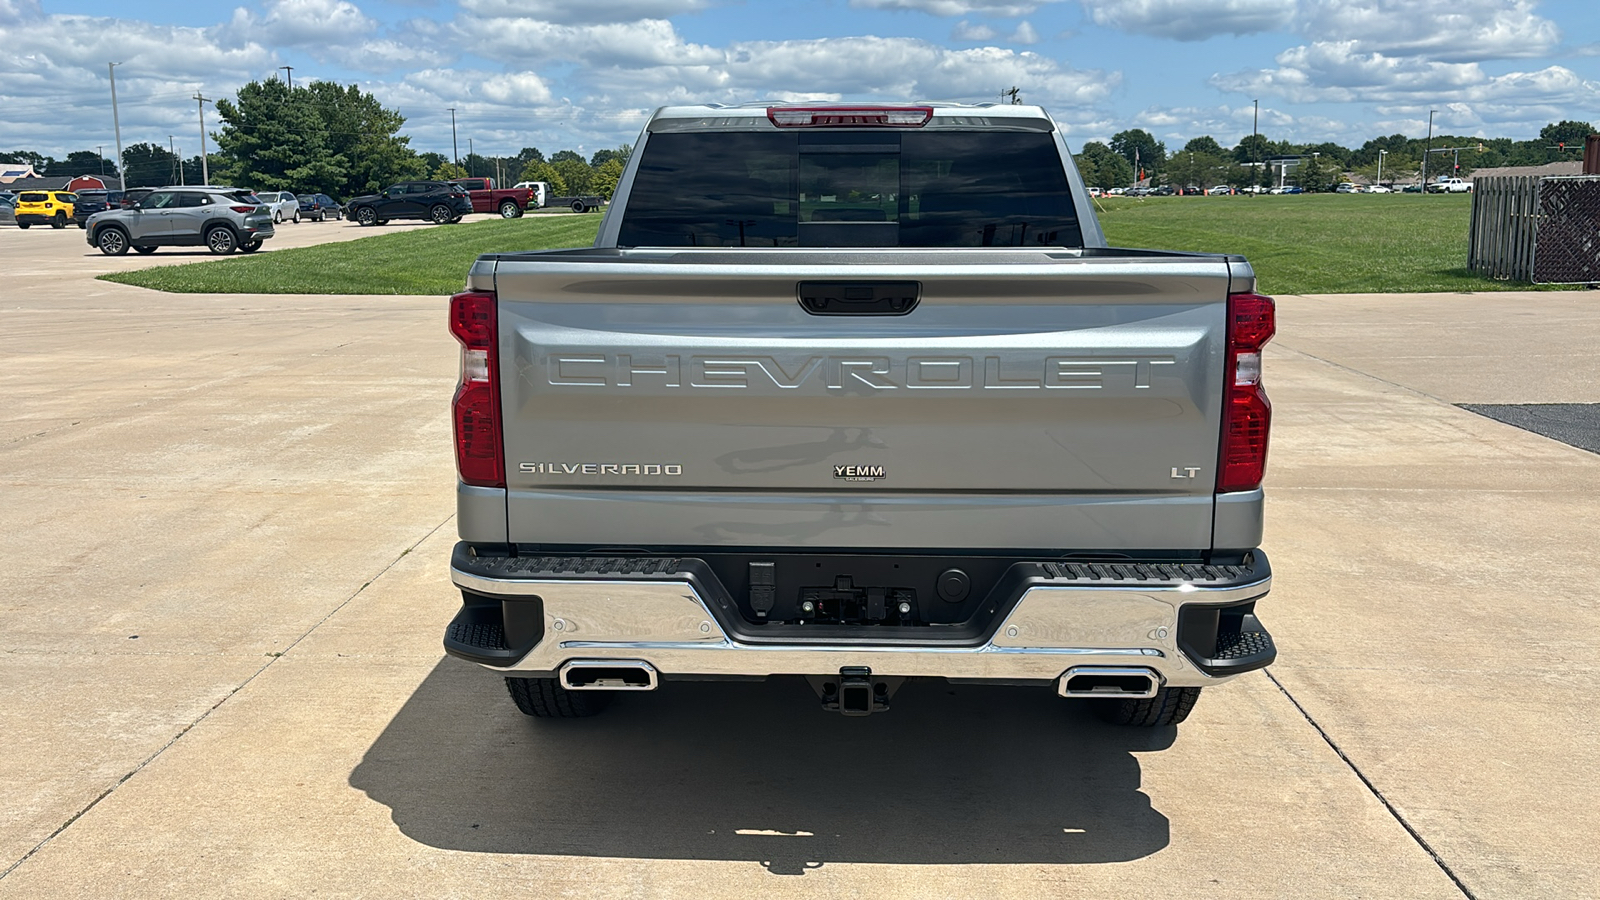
point(122, 179)
point(100, 151)
point(1429, 153)
point(176, 159)
point(290, 70)
point(1015, 94)
point(469, 156)
point(1255, 146)
point(455, 151)
point(205, 166)
point(1381, 155)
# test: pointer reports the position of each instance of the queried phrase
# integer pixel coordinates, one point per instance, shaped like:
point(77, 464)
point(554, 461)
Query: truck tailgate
point(1029, 399)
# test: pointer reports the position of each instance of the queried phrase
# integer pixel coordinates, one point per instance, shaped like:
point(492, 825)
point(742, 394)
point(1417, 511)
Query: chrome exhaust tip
point(608, 675)
point(1109, 682)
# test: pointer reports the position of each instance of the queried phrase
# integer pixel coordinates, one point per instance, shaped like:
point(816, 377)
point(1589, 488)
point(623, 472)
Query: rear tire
point(60, 220)
point(545, 698)
point(577, 206)
point(510, 210)
point(297, 217)
point(1168, 707)
point(24, 225)
point(249, 246)
point(144, 250)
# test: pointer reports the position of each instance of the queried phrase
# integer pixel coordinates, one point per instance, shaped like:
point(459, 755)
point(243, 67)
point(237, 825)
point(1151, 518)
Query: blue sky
point(562, 74)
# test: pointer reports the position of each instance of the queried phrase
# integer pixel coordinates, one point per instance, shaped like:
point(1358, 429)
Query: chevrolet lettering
point(790, 302)
point(934, 373)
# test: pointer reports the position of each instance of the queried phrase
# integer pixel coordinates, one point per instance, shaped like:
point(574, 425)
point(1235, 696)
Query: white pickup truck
point(860, 394)
point(1450, 186)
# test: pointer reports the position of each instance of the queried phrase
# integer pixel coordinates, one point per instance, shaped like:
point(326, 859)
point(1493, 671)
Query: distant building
point(10, 172)
point(1565, 167)
point(57, 183)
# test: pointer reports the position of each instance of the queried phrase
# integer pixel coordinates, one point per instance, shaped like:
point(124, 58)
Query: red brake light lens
point(1252, 320)
point(243, 209)
point(849, 116)
point(1246, 411)
point(475, 411)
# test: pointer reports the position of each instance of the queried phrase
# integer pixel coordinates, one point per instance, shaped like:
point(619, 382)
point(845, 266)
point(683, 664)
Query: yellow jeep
point(53, 208)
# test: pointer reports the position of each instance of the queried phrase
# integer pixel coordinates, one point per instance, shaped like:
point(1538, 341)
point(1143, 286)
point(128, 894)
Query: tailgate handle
point(858, 298)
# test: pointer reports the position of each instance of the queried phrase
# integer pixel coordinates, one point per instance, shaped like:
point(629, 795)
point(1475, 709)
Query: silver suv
point(222, 219)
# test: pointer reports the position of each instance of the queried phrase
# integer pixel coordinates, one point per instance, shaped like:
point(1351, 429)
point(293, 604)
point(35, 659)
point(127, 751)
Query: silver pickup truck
point(860, 394)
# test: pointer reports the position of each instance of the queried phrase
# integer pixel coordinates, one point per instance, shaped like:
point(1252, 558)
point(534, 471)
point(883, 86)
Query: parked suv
point(284, 206)
point(317, 207)
point(437, 201)
point(132, 196)
point(53, 208)
point(222, 219)
point(91, 202)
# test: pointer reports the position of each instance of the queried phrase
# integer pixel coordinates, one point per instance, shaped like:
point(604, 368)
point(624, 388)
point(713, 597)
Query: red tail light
point(480, 455)
point(849, 116)
point(1246, 412)
point(243, 209)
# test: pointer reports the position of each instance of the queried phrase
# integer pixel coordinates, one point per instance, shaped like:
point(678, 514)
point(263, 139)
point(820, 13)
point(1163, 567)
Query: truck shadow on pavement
point(953, 774)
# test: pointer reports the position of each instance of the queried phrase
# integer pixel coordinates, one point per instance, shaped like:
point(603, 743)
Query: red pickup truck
point(508, 202)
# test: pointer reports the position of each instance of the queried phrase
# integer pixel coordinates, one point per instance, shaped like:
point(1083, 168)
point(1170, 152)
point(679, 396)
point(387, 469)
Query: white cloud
point(1025, 34)
point(1340, 72)
point(1192, 20)
point(379, 55)
point(1445, 30)
point(582, 11)
point(647, 42)
point(1005, 9)
point(15, 12)
point(967, 31)
point(303, 22)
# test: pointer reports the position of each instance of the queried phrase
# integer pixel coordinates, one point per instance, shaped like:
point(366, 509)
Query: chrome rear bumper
point(670, 625)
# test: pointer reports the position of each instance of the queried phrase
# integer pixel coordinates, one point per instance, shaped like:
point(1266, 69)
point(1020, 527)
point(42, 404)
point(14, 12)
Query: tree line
point(328, 138)
point(1135, 154)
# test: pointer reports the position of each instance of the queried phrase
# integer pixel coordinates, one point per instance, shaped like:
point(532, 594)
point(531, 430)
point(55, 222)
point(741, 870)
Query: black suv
point(437, 201)
point(91, 202)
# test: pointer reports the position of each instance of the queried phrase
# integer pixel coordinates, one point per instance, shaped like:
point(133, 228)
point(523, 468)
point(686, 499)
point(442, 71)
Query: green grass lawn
point(1315, 243)
point(431, 260)
point(1305, 244)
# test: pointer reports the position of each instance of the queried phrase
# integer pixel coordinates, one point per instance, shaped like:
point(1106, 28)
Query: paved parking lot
point(223, 582)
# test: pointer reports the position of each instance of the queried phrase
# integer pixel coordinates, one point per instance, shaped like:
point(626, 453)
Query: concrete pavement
point(223, 581)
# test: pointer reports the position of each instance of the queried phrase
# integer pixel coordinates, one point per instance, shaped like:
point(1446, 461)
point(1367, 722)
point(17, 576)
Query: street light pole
point(1428, 154)
point(100, 151)
point(455, 151)
point(1255, 146)
point(1381, 155)
point(205, 166)
point(116, 123)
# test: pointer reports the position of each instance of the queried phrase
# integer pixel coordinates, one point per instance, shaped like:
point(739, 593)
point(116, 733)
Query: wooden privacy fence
point(1540, 230)
point(1505, 224)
